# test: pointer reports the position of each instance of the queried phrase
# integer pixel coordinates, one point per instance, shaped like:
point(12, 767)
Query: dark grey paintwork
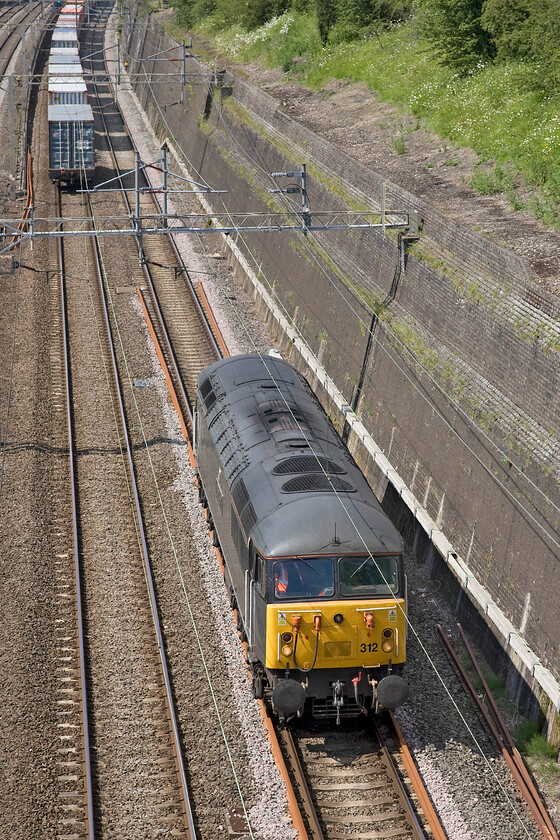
point(261, 412)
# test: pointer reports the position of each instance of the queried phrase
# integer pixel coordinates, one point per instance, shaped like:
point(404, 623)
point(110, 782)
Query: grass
point(514, 128)
point(495, 682)
point(531, 742)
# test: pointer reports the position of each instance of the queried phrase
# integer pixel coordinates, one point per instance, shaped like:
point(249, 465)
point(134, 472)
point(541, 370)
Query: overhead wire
point(383, 326)
point(171, 540)
point(511, 495)
point(409, 624)
point(268, 365)
point(419, 640)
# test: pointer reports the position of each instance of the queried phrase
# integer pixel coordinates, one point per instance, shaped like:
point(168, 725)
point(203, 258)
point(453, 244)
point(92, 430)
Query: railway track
point(120, 739)
point(349, 783)
point(121, 283)
point(330, 811)
point(13, 21)
point(108, 665)
point(132, 671)
point(171, 297)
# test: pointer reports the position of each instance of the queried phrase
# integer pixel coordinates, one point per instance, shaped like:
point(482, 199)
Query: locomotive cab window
point(309, 577)
point(363, 576)
point(258, 570)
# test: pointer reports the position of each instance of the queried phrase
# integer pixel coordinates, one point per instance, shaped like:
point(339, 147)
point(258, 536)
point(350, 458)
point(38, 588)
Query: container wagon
point(71, 143)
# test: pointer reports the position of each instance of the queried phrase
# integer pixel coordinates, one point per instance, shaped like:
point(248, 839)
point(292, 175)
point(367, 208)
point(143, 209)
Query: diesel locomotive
point(313, 564)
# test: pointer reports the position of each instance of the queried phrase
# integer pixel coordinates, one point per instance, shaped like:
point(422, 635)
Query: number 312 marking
point(370, 647)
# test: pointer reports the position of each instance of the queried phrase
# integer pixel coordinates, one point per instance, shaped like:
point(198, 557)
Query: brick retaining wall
point(477, 322)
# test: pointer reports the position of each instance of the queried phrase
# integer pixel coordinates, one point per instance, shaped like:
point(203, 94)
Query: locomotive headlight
point(388, 642)
point(287, 637)
point(287, 650)
point(338, 618)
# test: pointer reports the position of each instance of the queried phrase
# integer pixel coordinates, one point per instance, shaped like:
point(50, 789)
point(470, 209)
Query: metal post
point(23, 54)
point(184, 73)
point(137, 218)
point(383, 199)
point(164, 165)
point(118, 61)
point(305, 214)
point(12, 162)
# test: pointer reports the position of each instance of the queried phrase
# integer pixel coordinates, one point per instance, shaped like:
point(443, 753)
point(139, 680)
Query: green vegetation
point(483, 73)
point(531, 742)
point(495, 683)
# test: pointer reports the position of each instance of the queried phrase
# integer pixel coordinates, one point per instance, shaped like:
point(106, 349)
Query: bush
point(539, 746)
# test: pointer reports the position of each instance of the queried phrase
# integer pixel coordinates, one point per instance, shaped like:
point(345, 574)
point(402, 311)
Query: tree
point(527, 30)
point(326, 17)
point(455, 30)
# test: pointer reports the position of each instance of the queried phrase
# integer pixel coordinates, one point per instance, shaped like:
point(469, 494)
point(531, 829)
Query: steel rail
point(391, 767)
point(507, 740)
point(268, 723)
point(217, 345)
point(419, 788)
point(76, 541)
point(545, 827)
point(145, 553)
point(144, 544)
point(286, 739)
point(13, 31)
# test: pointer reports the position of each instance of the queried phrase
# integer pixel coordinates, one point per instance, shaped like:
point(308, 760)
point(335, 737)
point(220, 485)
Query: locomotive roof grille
point(307, 464)
point(317, 483)
point(285, 421)
point(205, 388)
point(248, 518)
point(240, 495)
point(208, 394)
point(244, 507)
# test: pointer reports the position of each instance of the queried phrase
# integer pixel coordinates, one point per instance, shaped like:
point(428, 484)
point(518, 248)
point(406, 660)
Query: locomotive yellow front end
point(343, 654)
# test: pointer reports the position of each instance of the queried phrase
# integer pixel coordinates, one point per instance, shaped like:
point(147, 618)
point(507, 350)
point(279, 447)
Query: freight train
point(70, 117)
point(313, 564)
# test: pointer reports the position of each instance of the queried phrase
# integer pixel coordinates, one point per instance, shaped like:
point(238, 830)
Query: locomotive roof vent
point(285, 423)
point(317, 483)
point(307, 464)
point(209, 392)
point(244, 506)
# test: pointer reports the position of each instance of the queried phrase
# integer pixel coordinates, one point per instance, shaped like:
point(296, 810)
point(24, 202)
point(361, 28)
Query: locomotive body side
point(313, 562)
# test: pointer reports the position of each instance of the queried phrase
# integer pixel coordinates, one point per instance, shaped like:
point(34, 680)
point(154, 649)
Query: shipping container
point(66, 90)
point(64, 38)
point(71, 144)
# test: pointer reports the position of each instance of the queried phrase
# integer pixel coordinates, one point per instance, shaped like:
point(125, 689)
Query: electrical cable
point(423, 648)
point(383, 327)
point(409, 624)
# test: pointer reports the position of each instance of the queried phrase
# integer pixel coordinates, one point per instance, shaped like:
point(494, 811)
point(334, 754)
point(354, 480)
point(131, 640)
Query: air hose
point(317, 623)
